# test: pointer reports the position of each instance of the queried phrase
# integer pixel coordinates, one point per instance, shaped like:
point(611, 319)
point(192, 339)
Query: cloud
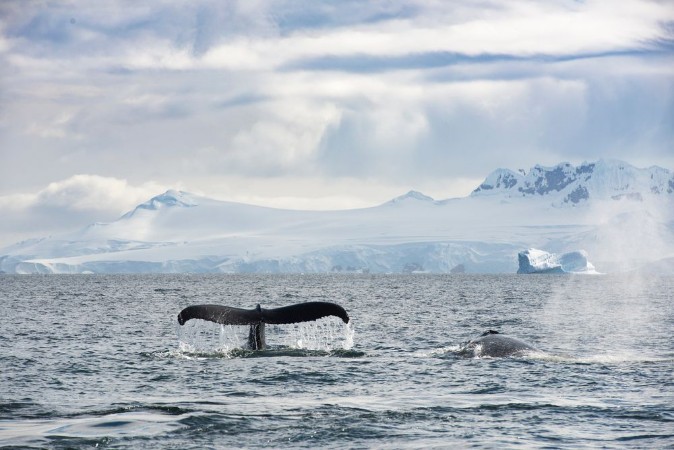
point(390, 95)
point(95, 193)
point(521, 29)
point(69, 204)
point(264, 35)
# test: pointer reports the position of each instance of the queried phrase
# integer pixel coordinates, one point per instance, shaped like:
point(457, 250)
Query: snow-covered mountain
point(572, 185)
point(623, 217)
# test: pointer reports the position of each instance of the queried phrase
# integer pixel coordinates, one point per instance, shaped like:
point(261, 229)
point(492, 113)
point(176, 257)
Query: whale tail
point(258, 317)
point(226, 315)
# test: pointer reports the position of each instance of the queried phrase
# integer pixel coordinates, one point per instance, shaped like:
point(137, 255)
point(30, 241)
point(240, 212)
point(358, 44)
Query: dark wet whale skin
point(496, 345)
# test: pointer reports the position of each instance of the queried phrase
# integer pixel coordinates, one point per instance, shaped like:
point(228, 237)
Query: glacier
point(539, 261)
point(621, 215)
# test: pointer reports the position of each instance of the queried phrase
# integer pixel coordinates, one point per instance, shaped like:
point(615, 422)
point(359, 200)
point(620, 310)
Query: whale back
point(496, 345)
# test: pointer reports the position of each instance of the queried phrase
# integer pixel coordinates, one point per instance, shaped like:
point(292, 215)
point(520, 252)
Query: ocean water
point(100, 361)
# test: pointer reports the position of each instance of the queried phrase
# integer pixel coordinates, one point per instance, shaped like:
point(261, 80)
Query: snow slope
point(622, 216)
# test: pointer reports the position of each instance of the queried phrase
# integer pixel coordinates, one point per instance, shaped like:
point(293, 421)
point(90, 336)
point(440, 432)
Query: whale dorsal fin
point(488, 332)
point(226, 315)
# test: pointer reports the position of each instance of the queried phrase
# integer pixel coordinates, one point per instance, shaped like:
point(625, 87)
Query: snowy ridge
point(571, 185)
point(625, 222)
point(411, 196)
point(168, 199)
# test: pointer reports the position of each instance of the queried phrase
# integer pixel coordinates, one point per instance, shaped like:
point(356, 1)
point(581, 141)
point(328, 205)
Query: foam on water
point(603, 359)
point(607, 359)
point(477, 353)
point(437, 352)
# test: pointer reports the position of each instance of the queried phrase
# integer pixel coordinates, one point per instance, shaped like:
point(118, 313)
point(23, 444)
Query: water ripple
point(101, 361)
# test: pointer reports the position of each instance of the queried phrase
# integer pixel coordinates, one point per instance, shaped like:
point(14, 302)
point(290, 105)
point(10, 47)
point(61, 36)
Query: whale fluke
point(304, 312)
point(226, 315)
point(258, 317)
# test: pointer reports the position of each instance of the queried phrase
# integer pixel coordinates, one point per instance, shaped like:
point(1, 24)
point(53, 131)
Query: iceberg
point(539, 261)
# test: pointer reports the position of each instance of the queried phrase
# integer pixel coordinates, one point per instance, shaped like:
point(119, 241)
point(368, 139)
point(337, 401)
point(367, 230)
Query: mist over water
point(101, 361)
point(614, 317)
point(628, 234)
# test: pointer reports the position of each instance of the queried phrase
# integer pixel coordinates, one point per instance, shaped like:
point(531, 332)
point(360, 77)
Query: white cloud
point(284, 137)
point(518, 28)
point(69, 204)
point(93, 192)
point(272, 98)
point(521, 28)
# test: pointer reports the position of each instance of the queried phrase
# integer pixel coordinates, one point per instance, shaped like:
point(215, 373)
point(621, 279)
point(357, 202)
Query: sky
point(316, 104)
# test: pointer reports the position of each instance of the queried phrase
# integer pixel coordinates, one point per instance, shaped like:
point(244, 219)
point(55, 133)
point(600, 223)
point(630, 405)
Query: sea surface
point(100, 361)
